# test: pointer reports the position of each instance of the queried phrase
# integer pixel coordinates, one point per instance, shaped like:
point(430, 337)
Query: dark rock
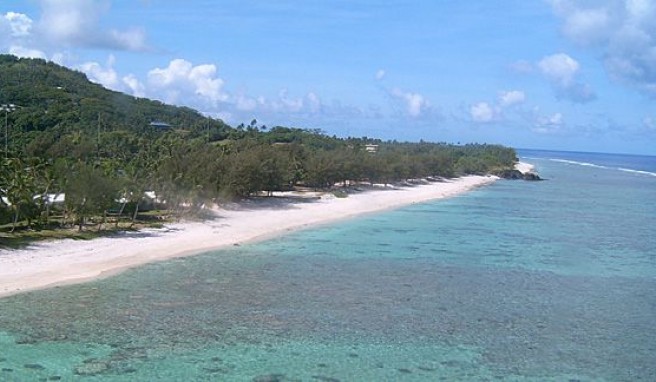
point(34, 366)
point(6, 369)
point(531, 176)
point(509, 174)
point(404, 371)
point(513, 174)
point(353, 355)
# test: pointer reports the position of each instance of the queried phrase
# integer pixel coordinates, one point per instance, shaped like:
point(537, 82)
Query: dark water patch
point(215, 370)
point(272, 378)
point(34, 366)
point(7, 370)
point(325, 379)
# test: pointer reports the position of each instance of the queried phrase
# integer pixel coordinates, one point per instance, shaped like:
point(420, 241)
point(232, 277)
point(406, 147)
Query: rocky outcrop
point(516, 174)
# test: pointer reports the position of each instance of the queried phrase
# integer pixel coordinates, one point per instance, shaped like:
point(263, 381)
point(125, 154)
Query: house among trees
point(371, 148)
point(160, 125)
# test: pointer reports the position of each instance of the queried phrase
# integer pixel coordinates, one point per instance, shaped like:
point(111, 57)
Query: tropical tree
point(89, 192)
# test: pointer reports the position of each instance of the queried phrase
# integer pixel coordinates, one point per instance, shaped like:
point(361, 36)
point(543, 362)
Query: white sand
point(61, 262)
point(524, 167)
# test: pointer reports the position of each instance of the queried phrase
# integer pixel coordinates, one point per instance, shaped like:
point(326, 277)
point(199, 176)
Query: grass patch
point(56, 230)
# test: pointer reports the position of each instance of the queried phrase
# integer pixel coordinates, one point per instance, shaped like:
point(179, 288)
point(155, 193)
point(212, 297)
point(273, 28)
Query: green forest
point(103, 150)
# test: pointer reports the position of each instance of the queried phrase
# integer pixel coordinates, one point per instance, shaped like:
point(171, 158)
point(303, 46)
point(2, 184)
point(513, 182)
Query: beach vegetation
point(82, 156)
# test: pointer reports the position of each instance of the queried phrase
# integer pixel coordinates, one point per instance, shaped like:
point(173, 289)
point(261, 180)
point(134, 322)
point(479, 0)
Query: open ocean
point(534, 281)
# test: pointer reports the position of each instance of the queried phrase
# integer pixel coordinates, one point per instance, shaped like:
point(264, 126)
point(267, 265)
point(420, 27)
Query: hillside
point(57, 101)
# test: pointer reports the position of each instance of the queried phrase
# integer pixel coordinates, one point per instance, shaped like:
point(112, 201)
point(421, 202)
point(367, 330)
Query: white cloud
point(380, 74)
point(587, 25)
point(414, 104)
point(106, 76)
point(285, 103)
point(563, 72)
point(75, 23)
point(69, 21)
point(21, 51)
point(484, 112)
point(19, 25)
point(560, 68)
point(245, 103)
point(136, 87)
point(133, 39)
point(511, 97)
point(624, 30)
point(649, 123)
point(182, 77)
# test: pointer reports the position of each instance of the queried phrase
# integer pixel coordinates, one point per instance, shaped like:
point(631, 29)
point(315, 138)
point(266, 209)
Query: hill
point(58, 101)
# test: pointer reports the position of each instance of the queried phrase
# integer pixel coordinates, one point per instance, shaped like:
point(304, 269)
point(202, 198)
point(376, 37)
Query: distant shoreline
point(63, 262)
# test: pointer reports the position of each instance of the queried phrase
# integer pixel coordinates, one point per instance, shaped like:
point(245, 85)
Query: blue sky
point(551, 74)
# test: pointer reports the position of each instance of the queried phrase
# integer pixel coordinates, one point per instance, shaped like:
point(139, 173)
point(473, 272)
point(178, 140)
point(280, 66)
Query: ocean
point(517, 281)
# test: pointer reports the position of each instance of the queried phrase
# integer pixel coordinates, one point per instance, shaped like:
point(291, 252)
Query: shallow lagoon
point(516, 281)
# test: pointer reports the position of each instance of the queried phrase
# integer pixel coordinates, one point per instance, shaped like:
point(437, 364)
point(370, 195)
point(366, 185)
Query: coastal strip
point(48, 264)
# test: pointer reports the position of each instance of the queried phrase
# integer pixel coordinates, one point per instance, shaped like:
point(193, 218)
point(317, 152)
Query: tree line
point(99, 148)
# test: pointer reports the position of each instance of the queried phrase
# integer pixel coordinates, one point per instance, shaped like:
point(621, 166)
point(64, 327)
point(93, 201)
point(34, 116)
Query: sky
point(577, 75)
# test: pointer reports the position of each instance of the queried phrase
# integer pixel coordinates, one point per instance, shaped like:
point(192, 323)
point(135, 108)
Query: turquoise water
point(516, 281)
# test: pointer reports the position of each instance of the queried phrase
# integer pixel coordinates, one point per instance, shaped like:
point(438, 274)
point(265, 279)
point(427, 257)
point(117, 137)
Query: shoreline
point(64, 262)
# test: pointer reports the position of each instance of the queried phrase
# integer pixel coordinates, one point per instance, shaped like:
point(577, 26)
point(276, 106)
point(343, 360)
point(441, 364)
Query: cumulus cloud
point(182, 77)
point(380, 74)
point(487, 112)
point(563, 72)
point(511, 97)
point(104, 75)
point(484, 112)
point(560, 68)
point(136, 87)
point(414, 104)
point(624, 30)
point(15, 30)
point(17, 24)
point(75, 23)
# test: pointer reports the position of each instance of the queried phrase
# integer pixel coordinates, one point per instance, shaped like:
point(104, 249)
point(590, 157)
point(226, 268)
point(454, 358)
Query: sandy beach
point(61, 262)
